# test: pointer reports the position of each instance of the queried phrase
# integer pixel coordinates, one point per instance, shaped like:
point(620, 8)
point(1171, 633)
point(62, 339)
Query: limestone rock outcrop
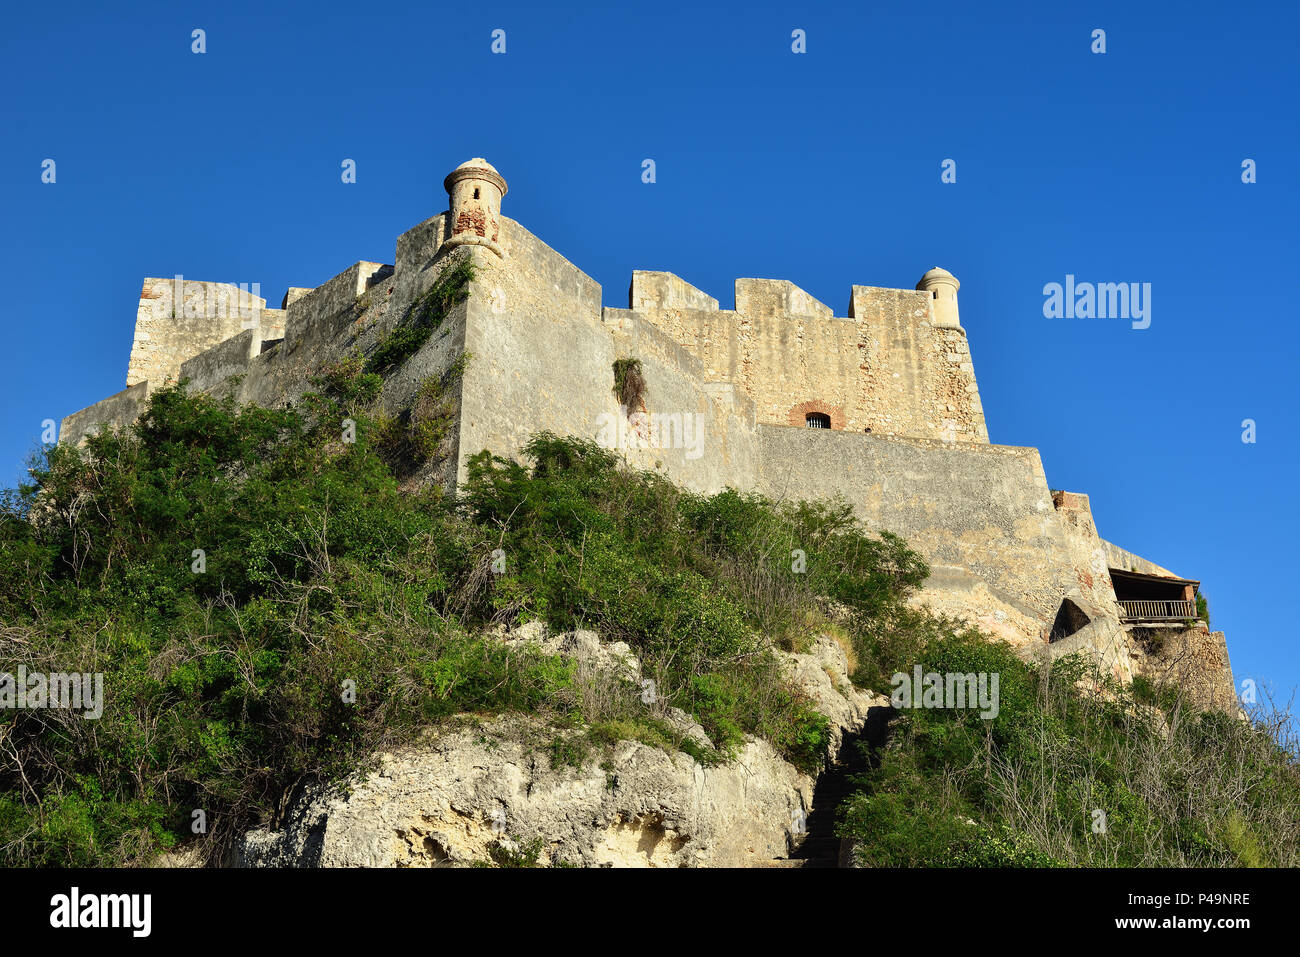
point(823, 675)
point(476, 784)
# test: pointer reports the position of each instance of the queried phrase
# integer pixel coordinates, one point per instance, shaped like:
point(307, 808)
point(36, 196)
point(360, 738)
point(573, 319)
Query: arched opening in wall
point(816, 414)
point(1070, 618)
point(817, 420)
point(476, 192)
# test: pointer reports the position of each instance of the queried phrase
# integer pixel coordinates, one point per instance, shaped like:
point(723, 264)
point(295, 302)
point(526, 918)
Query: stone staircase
point(820, 847)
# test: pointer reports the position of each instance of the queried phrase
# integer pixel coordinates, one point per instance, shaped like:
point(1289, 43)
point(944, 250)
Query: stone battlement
point(179, 318)
point(897, 365)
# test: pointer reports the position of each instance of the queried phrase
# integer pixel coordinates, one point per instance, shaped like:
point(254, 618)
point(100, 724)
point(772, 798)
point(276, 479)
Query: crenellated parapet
point(179, 318)
point(898, 364)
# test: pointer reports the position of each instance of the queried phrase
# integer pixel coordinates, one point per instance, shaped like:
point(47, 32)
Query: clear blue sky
point(821, 168)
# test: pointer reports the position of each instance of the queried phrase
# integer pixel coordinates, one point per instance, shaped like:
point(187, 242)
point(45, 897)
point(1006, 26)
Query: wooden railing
point(1157, 610)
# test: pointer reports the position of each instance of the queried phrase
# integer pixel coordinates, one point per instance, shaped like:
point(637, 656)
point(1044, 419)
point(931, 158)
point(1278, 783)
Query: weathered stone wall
point(178, 319)
point(654, 291)
point(210, 371)
point(886, 369)
point(917, 378)
point(543, 359)
point(117, 411)
point(1193, 661)
point(699, 434)
point(322, 314)
point(1092, 620)
point(974, 511)
point(1086, 547)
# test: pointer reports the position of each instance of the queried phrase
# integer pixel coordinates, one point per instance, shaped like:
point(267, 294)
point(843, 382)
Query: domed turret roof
point(476, 168)
point(937, 276)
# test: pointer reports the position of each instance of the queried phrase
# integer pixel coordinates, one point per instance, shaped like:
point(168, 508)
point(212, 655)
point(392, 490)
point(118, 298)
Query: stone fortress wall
point(898, 364)
point(728, 395)
point(179, 318)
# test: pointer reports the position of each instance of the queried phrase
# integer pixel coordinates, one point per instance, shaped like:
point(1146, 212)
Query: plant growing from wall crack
point(421, 319)
point(629, 384)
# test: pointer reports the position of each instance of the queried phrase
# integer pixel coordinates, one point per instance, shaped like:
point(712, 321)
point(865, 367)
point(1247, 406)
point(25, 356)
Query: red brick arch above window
point(799, 413)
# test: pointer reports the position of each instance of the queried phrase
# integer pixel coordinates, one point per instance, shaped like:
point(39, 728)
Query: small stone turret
point(475, 189)
point(943, 286)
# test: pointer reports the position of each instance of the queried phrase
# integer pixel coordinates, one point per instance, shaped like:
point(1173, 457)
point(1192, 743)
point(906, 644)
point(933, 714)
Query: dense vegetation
point(1111, 777)
point(269, 606)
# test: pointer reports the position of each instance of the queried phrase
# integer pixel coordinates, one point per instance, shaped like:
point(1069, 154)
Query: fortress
point(776, 395)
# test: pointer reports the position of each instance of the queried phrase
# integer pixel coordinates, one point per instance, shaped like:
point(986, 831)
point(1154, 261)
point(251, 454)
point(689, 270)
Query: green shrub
point(348, 381)
point(1072, 770)
point(515, 854)
point(696, 585)
point(629, 383)
point(1202, 608)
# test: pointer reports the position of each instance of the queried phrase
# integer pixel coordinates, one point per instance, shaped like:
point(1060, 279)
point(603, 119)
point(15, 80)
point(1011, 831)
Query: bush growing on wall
point(629, 384)
point(420, 321)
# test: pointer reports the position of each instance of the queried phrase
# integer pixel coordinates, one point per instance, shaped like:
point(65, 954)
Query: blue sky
point(821, 168)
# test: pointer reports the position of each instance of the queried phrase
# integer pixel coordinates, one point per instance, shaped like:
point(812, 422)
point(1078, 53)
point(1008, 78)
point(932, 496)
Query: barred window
point(818, 420)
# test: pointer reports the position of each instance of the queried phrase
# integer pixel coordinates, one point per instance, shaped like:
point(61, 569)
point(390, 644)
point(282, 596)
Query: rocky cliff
point(477, 786)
